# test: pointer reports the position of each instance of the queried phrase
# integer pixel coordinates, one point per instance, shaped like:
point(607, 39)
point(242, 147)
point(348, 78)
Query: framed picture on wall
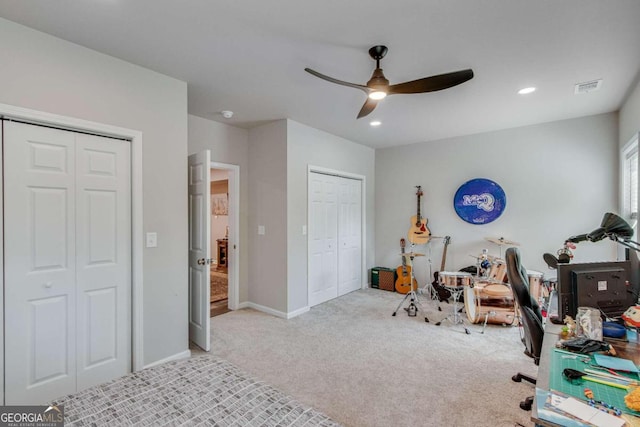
point(220, 204)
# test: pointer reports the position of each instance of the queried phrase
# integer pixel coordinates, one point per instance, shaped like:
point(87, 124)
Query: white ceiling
point(249, 56)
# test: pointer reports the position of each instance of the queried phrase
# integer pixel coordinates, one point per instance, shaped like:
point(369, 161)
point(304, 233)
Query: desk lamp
point(612, 226)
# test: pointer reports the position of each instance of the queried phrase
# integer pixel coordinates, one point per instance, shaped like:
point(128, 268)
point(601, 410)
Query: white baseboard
point(267, 310)
point(297, 312)
point(242, 305)
point(271, 311)
point(182, 355)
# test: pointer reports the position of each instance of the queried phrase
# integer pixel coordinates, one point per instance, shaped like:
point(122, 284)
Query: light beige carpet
point(352, 360)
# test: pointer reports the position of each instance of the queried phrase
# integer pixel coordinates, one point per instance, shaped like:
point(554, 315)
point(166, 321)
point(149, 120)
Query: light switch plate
point(304, 230)
point(261, 230)
point(152, 240)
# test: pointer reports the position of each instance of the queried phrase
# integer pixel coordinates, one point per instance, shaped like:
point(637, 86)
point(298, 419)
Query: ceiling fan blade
point(368, 107)
point(433, 83)
point(336, 81)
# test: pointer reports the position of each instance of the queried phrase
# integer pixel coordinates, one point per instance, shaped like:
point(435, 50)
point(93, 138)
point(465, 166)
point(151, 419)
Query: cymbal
point(489, 257)
point(411, 254)
point(501, 241)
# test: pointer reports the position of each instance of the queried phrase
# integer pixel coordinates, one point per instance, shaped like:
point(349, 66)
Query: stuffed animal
point(570, 325)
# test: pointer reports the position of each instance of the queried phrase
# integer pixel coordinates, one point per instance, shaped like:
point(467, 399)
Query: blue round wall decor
point(479, 201)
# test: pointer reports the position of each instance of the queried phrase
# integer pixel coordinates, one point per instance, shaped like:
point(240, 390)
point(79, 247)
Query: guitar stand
point(428, 288)
point(414, 303)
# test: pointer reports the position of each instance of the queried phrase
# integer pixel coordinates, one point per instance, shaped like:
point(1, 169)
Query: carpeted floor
point(352, 360)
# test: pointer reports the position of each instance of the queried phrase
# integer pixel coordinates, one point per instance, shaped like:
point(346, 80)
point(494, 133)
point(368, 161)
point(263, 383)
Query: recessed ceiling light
point(526, 90)
point(375, 123)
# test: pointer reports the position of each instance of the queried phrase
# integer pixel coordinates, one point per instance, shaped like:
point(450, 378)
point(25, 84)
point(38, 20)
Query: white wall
point(629, 126)
point(309, 146)
point(228, 144)
point(559, 179)
point(48, 74)
point(273, 159)
point(268, 208)
point(630, 115)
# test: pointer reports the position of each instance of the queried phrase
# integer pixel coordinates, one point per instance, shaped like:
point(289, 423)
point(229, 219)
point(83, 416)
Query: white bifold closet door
point(67, 213)
point(335, 236)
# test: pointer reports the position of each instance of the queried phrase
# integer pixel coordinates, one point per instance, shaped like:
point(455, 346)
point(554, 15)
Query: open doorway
point(205, 208)
point(219, 267)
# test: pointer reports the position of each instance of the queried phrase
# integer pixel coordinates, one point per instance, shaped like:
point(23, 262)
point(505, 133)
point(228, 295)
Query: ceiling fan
point(378, 86)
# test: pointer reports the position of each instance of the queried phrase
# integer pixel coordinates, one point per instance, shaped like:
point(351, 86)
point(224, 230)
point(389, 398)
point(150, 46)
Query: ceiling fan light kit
point(378, 86)
point(378, 95)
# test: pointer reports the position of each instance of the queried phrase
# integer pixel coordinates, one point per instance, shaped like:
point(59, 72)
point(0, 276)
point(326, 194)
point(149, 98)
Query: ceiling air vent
point(588, 86)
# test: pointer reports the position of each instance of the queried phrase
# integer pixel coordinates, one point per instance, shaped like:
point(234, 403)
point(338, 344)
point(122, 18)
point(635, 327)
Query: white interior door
point(199, 248)
point(40, 264)
point(103, 259)
point(67, 263)
point(349, 235)
point(323, 238)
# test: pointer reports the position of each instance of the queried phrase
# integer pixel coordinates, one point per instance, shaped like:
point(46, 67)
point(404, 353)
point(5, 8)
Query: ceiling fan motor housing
point(378, 80)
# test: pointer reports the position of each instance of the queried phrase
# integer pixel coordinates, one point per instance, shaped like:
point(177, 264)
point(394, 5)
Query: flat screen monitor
point(604, 285)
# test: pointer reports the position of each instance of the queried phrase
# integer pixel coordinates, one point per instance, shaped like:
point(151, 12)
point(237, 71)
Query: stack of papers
point(587, 413)
point(576, 412)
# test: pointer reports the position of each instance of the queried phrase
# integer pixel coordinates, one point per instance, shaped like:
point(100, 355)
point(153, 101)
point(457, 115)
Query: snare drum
point(454, 279)
point(536, 289)
point(498, 272)
point(490, 301)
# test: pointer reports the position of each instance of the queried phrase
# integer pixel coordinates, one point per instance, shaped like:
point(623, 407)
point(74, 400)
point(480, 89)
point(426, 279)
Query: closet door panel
point(350, 236)
point(40, 280)
point(103, 256)
point(323, 238)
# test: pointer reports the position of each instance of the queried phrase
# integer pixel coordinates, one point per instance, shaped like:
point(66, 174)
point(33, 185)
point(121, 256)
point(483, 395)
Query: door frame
point(233, 243)
point(363, 237)
point(137, 236)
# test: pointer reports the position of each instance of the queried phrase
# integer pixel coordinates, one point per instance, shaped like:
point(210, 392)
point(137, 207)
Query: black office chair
point(530, 315)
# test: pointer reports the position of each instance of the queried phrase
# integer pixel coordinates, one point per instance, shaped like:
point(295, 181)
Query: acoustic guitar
point(419, 234)
point(404, 282)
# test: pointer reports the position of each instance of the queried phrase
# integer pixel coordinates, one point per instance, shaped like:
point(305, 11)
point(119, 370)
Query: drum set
point(487, 294)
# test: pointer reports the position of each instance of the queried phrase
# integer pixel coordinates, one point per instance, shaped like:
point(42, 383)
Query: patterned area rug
point(200, 391)
point(219, 285)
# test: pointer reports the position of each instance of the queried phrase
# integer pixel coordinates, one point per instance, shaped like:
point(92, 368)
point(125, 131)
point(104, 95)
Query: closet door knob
point(202, 261)
point(48, 284)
